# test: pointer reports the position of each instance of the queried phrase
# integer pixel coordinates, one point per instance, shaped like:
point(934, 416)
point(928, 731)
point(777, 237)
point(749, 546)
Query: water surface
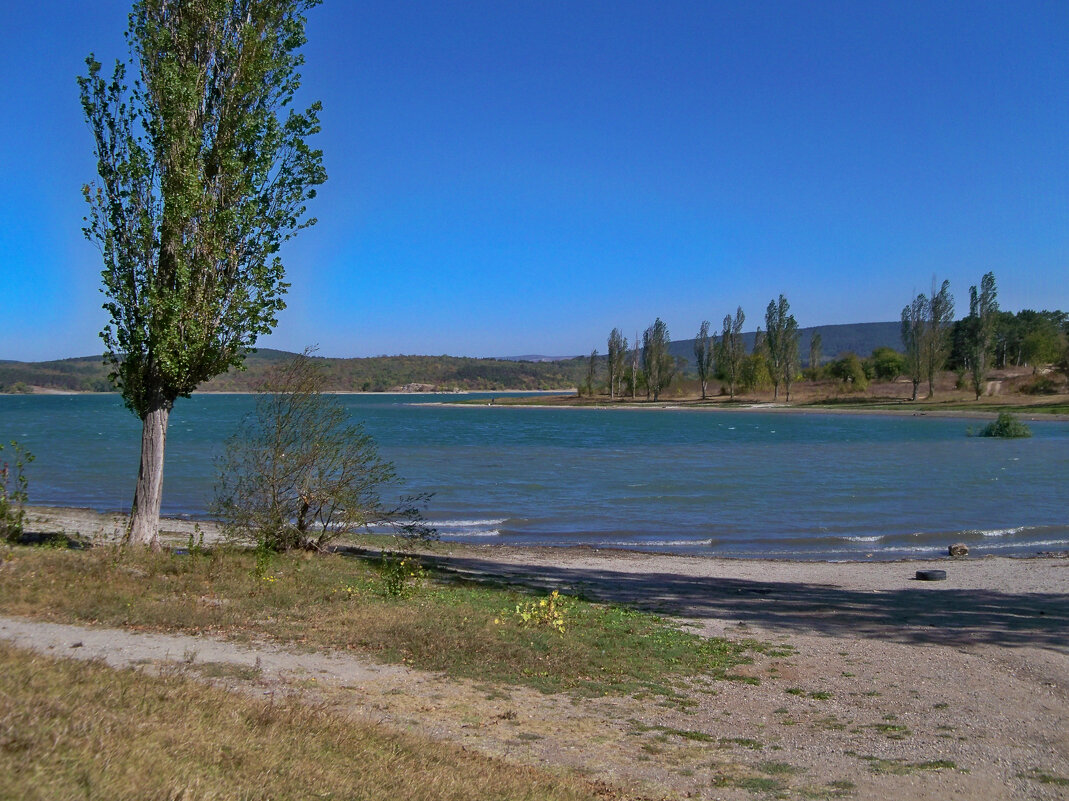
point(712, 482)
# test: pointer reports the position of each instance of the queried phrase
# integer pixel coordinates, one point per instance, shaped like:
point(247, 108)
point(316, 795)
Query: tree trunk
point(145, 515)
point(915, 383)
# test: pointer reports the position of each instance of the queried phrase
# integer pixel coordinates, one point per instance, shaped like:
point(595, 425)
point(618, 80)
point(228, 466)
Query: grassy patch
point(755, 784)
point(892, 730)
point(745, 742)
point(817, 695)
point(335, 602)
point(900, 767)
point(170, 736)
point(778, 768)
point(1037, 775)
point(226, 670)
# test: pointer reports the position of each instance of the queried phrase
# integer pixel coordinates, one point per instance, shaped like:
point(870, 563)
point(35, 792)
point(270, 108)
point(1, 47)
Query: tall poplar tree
point(940, 318)
point(204, 172)
point(731, 351)
point(616, 355)
point(781, 340)
point(658, 366)
point(914, 329)
point(703, 355)
point(816, 346)
point(980, 325)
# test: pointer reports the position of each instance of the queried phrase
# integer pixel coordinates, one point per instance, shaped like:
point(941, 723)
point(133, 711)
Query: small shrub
point(14, 490)
point(1006, 426)
point(299, 473)
point(549, 612)
point(1041, 385)
point(401, 577)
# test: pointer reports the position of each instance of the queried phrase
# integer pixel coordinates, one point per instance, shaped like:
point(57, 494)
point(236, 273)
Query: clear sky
point(519, 177)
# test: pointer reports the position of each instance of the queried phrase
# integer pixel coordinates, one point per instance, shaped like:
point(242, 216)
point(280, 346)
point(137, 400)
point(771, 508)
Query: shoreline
point(1026, 412)
point(773, 408)
point(107, 526)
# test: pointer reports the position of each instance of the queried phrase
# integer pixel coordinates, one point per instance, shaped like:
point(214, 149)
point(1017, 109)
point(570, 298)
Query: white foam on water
point(653, 543)
point(465, 523)
point(876, 538)
point(996, 532)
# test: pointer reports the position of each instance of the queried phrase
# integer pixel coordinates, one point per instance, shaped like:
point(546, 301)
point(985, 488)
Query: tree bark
point(145, 515)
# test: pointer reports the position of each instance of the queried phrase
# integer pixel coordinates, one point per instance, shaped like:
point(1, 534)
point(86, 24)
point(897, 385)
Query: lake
point(728, 483)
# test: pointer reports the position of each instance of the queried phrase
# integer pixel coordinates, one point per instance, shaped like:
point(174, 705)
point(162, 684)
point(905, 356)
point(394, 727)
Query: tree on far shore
point(591, 373)
point(816, 345)
point(914, 326)
point(703, 356)
point(731, 351)
point(204, 172)
point(781, 339)
point(617, 354)
point(983, 307)
point(658, 365)
point(936, 334)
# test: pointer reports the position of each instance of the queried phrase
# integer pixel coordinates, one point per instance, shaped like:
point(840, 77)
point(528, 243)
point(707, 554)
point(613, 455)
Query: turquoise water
point(727, 483)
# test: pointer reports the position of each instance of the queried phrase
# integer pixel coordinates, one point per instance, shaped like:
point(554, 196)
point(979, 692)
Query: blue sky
point(520, 177)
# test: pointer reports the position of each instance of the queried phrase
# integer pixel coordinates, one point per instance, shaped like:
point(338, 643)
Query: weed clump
point(1007, 427)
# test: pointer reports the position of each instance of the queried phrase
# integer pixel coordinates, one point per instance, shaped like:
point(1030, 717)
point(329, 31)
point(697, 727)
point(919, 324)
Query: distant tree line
point(773, 361)
point(932, 341)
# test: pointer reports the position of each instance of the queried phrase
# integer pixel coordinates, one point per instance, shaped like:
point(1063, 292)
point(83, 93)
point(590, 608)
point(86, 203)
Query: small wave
point(995, 532)
point(490, 533)
point(465, 523)
point(876, 538)
point(653, 543)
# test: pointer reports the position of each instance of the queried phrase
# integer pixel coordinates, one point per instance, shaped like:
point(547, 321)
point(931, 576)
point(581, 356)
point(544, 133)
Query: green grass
point(333, 602)
point(82, 730)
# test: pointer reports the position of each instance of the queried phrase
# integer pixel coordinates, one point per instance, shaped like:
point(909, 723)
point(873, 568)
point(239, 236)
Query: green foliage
point(658, 365)
point(1006, 426)
point(202, 179)
point(850, 372)
point(549, 612)
point(617, 353)
point(781, 345)
point(934, 342)
point(14, 491)
point(754, 373)
point(592, 373)
point(979, 330)
point(298, 474)
point(731, 352)
point(888, 364)
point(703, 356)
point(914, 326)
point(401, 575)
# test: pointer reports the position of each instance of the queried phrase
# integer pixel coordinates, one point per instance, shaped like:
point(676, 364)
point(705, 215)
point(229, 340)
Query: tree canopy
point(205, 171)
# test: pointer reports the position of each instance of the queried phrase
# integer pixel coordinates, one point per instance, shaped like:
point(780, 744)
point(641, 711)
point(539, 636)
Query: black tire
point(931, 575)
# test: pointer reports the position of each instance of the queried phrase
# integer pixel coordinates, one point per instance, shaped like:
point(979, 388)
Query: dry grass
point(335, 602)
point(83, 730)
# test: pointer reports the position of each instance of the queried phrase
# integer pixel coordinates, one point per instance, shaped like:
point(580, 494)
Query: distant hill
point(537, 358)
point(423, 373)
point(859, 338)
point(378, 374)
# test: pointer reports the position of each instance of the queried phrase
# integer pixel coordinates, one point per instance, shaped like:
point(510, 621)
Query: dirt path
point(894, 690)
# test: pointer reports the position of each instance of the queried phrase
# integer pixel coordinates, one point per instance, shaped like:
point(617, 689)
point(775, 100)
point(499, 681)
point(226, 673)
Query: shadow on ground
point(922, 613)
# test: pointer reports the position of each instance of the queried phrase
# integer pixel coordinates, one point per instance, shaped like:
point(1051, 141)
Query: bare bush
point(299, 473)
